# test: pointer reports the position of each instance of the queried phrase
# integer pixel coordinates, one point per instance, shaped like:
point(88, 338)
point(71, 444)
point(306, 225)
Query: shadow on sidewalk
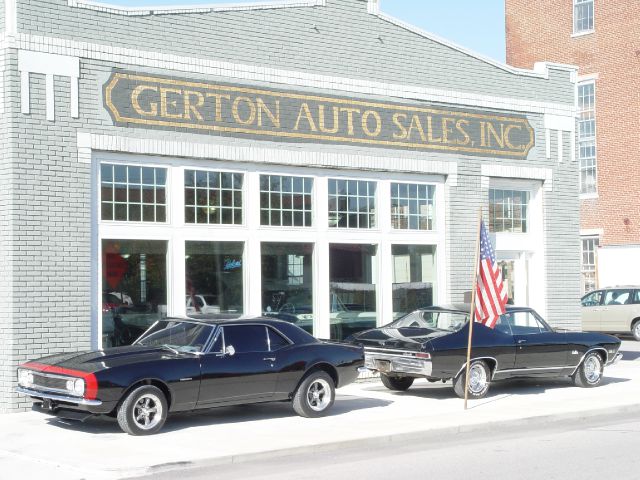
point(222, 415)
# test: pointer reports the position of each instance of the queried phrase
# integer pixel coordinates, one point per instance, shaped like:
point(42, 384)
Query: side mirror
point(230, 351)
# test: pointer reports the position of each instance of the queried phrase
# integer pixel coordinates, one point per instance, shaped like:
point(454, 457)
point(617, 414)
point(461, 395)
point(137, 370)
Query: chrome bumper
point(615, 360)
point(59, 398)
point(396, 361)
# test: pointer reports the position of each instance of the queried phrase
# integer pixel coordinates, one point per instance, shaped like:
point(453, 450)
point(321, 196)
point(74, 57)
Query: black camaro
point(431, 343)
point(180, 365)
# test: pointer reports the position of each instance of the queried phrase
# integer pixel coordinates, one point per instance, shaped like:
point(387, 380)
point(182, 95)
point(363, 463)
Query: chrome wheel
point(147, 412)
point(477, 379)
point(593, 369)
point(636, 331)
point(319, 395)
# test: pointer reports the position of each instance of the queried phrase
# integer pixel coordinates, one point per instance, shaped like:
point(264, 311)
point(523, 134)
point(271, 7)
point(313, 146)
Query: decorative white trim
point(48, 64)
point(589, 196)
point(527, 173)
point(129, 56)
point(583, 33)
point(566, 123)
point(166, 10)
point(547, 140)
point(10, 17)
point(560, 145)
point(259, 155)
point(373, 7)
point(591, 232)
point(543, 69)
point(588, 78)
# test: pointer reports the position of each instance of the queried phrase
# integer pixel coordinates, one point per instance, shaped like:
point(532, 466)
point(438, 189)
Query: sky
point(477, 25)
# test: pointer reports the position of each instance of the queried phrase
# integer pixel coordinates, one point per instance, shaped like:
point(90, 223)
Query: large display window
point(214, 277)
point(287, 282)
point(352, 282)
point(134, 282)
point(414, 277)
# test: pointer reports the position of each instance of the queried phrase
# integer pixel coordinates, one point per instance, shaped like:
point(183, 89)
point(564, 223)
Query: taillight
point(426, 356)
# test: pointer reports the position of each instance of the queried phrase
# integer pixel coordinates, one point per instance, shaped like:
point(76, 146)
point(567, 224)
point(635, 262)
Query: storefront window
point(213, 197)
point(412, 206)
point(352, 204)
point(214, 277)
point(133, 194)
point(287, 282)
point(352, 277)
point(285, 201)
point(508, 210)
point(134, 283)
point(414, 277)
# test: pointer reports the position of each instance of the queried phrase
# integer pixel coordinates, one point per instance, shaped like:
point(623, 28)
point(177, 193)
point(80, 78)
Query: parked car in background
point(188, 364)
point(612, 310)
point(432, 342)
point(200, 303)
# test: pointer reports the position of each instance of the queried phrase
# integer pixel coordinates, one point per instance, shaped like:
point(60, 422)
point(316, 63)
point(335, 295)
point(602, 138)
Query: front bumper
point(392, 361)
point(58, 398)
point(615, 360)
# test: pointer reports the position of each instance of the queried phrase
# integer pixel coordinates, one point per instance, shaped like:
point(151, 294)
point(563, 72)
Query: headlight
point(25, 378)
point(76, 386)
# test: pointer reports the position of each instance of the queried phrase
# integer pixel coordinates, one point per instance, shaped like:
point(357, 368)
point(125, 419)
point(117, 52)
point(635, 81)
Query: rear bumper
point(397, 362)
point(615, 359)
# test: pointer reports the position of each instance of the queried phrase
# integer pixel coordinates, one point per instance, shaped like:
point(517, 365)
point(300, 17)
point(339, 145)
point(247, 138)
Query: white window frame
point(253, 234)
point(583, 270)
point(594, 192)
point(578, 5)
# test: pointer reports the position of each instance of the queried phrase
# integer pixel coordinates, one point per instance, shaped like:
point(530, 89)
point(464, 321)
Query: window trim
point(594, 193)
point(243, 207)
point(434, 200)
point(587, 31)
point(312, 195)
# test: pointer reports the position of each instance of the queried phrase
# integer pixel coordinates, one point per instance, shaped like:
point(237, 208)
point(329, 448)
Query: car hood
point(401, 338)
point(95, 360)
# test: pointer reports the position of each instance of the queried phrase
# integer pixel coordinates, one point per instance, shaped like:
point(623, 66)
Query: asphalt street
point(576, 449)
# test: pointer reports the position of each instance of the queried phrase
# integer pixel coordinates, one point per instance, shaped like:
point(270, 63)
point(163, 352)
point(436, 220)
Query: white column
point(321, 303)
point(384, 280)
point(176, 289)
point(252, 268)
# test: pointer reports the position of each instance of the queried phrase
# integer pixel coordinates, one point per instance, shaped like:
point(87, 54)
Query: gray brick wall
point(301, 39)
point(46, 257)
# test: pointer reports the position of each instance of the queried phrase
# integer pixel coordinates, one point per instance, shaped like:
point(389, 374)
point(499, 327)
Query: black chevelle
point(185, 364)
point(431, 343)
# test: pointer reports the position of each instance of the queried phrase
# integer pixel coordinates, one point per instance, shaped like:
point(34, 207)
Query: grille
point(45, 382)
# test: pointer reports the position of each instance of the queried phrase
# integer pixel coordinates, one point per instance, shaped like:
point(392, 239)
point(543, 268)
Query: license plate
point(383, 365)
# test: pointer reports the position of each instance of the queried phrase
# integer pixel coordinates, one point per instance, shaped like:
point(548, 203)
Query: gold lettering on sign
point(262, 107)
point(491, 132)
point(460, 124)
point(507, 140)
point(365, 124)
point(447, 129)
point(218, 97)
point(321, 120)
point(189, 107)
point(165, 103)
point(402, 134)
point(135, 101)
point(417, 125)
point(430, 131)
point(304, 109)
point(235, 111)
point(350, 112)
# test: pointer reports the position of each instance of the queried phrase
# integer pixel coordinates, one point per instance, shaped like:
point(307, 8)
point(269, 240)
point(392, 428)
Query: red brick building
point(603, 39)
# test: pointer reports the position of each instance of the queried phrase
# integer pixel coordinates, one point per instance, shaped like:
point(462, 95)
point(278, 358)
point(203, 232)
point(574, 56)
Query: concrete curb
point(402, 437)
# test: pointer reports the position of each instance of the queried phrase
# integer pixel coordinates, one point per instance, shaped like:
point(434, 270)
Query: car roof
point(466, 308)
point(225, 319)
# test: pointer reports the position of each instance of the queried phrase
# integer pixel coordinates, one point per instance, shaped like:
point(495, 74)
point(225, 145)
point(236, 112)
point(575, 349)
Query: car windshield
point(432, 319)
point(177, 336)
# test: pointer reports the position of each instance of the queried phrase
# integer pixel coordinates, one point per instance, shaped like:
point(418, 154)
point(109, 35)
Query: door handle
point(269, 359)
point(521, 341)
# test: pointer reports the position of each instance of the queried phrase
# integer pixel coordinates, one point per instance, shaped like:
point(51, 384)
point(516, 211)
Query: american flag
point(491, 294)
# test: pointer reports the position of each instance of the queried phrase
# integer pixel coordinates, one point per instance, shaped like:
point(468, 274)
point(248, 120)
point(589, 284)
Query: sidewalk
point(366, 414)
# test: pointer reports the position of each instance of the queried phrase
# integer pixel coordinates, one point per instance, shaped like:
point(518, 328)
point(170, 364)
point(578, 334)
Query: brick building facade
point(311, 158)
point(601, 38)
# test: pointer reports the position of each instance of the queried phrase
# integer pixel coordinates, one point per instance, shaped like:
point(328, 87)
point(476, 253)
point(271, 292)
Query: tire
point(315, 395)
point(143, 411)
point(589, 373)
point(396, 383)
point(479, 380)
point(635, 330)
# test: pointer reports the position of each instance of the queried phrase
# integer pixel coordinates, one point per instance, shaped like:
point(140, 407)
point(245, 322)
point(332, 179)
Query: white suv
point(612, 310)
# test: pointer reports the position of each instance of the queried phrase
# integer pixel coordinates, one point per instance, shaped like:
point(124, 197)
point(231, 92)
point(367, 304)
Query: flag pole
point(472, 308)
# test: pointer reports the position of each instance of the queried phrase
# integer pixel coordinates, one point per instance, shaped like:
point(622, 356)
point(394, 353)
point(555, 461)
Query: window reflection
point(414, 277)
point(287, 282)
point(214, 277)
point(134, 282)
point(352, 277)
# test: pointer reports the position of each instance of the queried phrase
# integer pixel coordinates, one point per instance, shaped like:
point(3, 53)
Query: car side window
point(636, 297)
point(617, 297)
point(504, 324)
point(217, 345)
point(276, 341)
point(592, 299)
point(246, 338)
point(525, 323)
